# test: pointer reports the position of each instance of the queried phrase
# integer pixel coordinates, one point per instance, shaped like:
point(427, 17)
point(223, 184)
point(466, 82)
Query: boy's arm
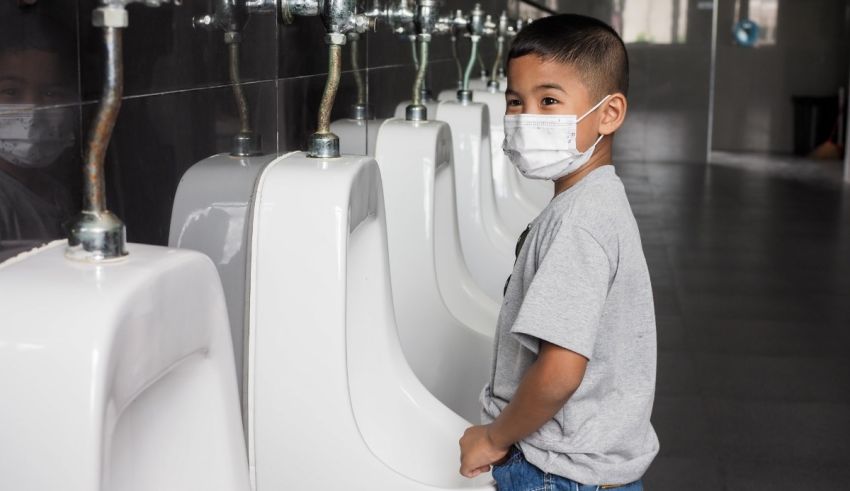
point(547, 385)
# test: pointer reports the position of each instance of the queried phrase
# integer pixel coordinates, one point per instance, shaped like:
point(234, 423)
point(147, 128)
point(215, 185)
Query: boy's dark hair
point(588, 44)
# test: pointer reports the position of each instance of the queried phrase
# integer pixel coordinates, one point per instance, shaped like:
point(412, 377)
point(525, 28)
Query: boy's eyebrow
point(510, 91)
point(550, 85)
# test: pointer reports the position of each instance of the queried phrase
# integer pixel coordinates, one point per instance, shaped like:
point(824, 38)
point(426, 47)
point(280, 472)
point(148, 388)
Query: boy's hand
point(478, 452)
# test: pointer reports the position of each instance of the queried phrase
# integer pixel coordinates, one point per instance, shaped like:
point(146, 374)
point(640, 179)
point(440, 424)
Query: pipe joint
point(476, 21)
point(335, 39)
point(228, 15)
point(110, 16)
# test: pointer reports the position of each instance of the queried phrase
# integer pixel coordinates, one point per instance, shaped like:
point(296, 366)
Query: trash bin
point(815, 121)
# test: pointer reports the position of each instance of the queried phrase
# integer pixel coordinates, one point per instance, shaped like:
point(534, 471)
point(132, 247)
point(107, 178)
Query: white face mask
point(543, 146)
point(31, 137)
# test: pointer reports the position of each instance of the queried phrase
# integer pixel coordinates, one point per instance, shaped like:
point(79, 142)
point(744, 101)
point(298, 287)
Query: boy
point(573, 377)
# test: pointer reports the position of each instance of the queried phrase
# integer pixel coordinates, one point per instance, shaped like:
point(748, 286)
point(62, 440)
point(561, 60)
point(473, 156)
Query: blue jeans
point(517, 474)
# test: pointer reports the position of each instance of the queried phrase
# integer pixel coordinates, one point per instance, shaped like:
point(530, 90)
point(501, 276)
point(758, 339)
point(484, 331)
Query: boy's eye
point(548, 101)
point(514, 102)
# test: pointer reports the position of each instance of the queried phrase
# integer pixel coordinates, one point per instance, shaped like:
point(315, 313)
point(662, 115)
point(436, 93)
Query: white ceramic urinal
point(117, 375)
point(357, 136)
point(211, 214)
point(334, 404)
point(432, 287)
point(487, 244)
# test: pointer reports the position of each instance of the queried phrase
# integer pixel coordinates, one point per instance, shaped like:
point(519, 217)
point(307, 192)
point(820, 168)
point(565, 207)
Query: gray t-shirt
point(581, 282)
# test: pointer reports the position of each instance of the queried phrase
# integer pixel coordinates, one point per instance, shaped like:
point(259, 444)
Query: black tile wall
point(178, 105)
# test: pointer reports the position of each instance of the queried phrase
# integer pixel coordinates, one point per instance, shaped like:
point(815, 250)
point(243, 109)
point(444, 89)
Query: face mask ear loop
point(594, 108)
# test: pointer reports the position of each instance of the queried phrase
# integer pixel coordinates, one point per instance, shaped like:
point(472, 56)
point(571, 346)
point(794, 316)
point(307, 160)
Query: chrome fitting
point(110, 16)
point(228, 15)
point(416, 113)
point(476, 20)
point(426, 17)
point(464, 96)
point(336, 38)
point(359, 112)
point(493, 86)
point(231, 37)
point(261, 6)
point(246, 144)
point(323, 146)
point(488, 27)
point(289, 9)
point(96, 236)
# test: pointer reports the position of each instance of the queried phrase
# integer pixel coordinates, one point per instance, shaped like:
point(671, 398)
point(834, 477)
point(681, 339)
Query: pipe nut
point(232, 37)
point(323, 146)
point(246, 144)
point(336, 38)
point(416, 113)
point(110, 17)
point(96, 236)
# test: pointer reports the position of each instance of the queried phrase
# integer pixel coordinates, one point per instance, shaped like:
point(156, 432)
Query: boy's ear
point(613, 114)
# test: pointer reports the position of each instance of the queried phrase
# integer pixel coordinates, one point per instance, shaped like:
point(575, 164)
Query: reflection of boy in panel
point(36, 130)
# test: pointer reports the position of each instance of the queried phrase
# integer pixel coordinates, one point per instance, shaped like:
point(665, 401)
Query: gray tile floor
point(751, 272)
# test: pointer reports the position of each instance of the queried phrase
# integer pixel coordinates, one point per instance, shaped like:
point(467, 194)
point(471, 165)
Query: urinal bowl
point(211, 214)
point(446, 322)
point(334, 404)
point(117, 376)
point(486, 243)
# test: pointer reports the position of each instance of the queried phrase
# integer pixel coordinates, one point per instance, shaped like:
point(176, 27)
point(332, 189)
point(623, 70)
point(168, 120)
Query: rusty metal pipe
point(94, 196)
point(238, 92)
point(96, 234)
point(323, 143)
point(331, 87)
point(358, 77)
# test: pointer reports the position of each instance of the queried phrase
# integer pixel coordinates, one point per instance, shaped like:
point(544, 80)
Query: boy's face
point(31, 77)
point(538, 86)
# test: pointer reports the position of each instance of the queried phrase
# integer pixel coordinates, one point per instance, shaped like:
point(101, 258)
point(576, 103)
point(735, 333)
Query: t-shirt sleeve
point(565, 300)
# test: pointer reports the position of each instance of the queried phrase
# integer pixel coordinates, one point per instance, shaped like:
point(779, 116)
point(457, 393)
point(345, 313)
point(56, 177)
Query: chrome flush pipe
point(489, 29)
point(424, 42)
point(476, 29)
point(97, 234)
point(426, 23)
point(246, 142)
point(414, 53)
point(323, 143)
point(456, 58)
point(340, 18)
point(501, 35)
point(359, 110)
point(458, 28)
point(231, 16)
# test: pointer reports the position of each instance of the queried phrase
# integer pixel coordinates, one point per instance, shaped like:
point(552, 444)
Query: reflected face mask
point(34, 138)
point(543, 146)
